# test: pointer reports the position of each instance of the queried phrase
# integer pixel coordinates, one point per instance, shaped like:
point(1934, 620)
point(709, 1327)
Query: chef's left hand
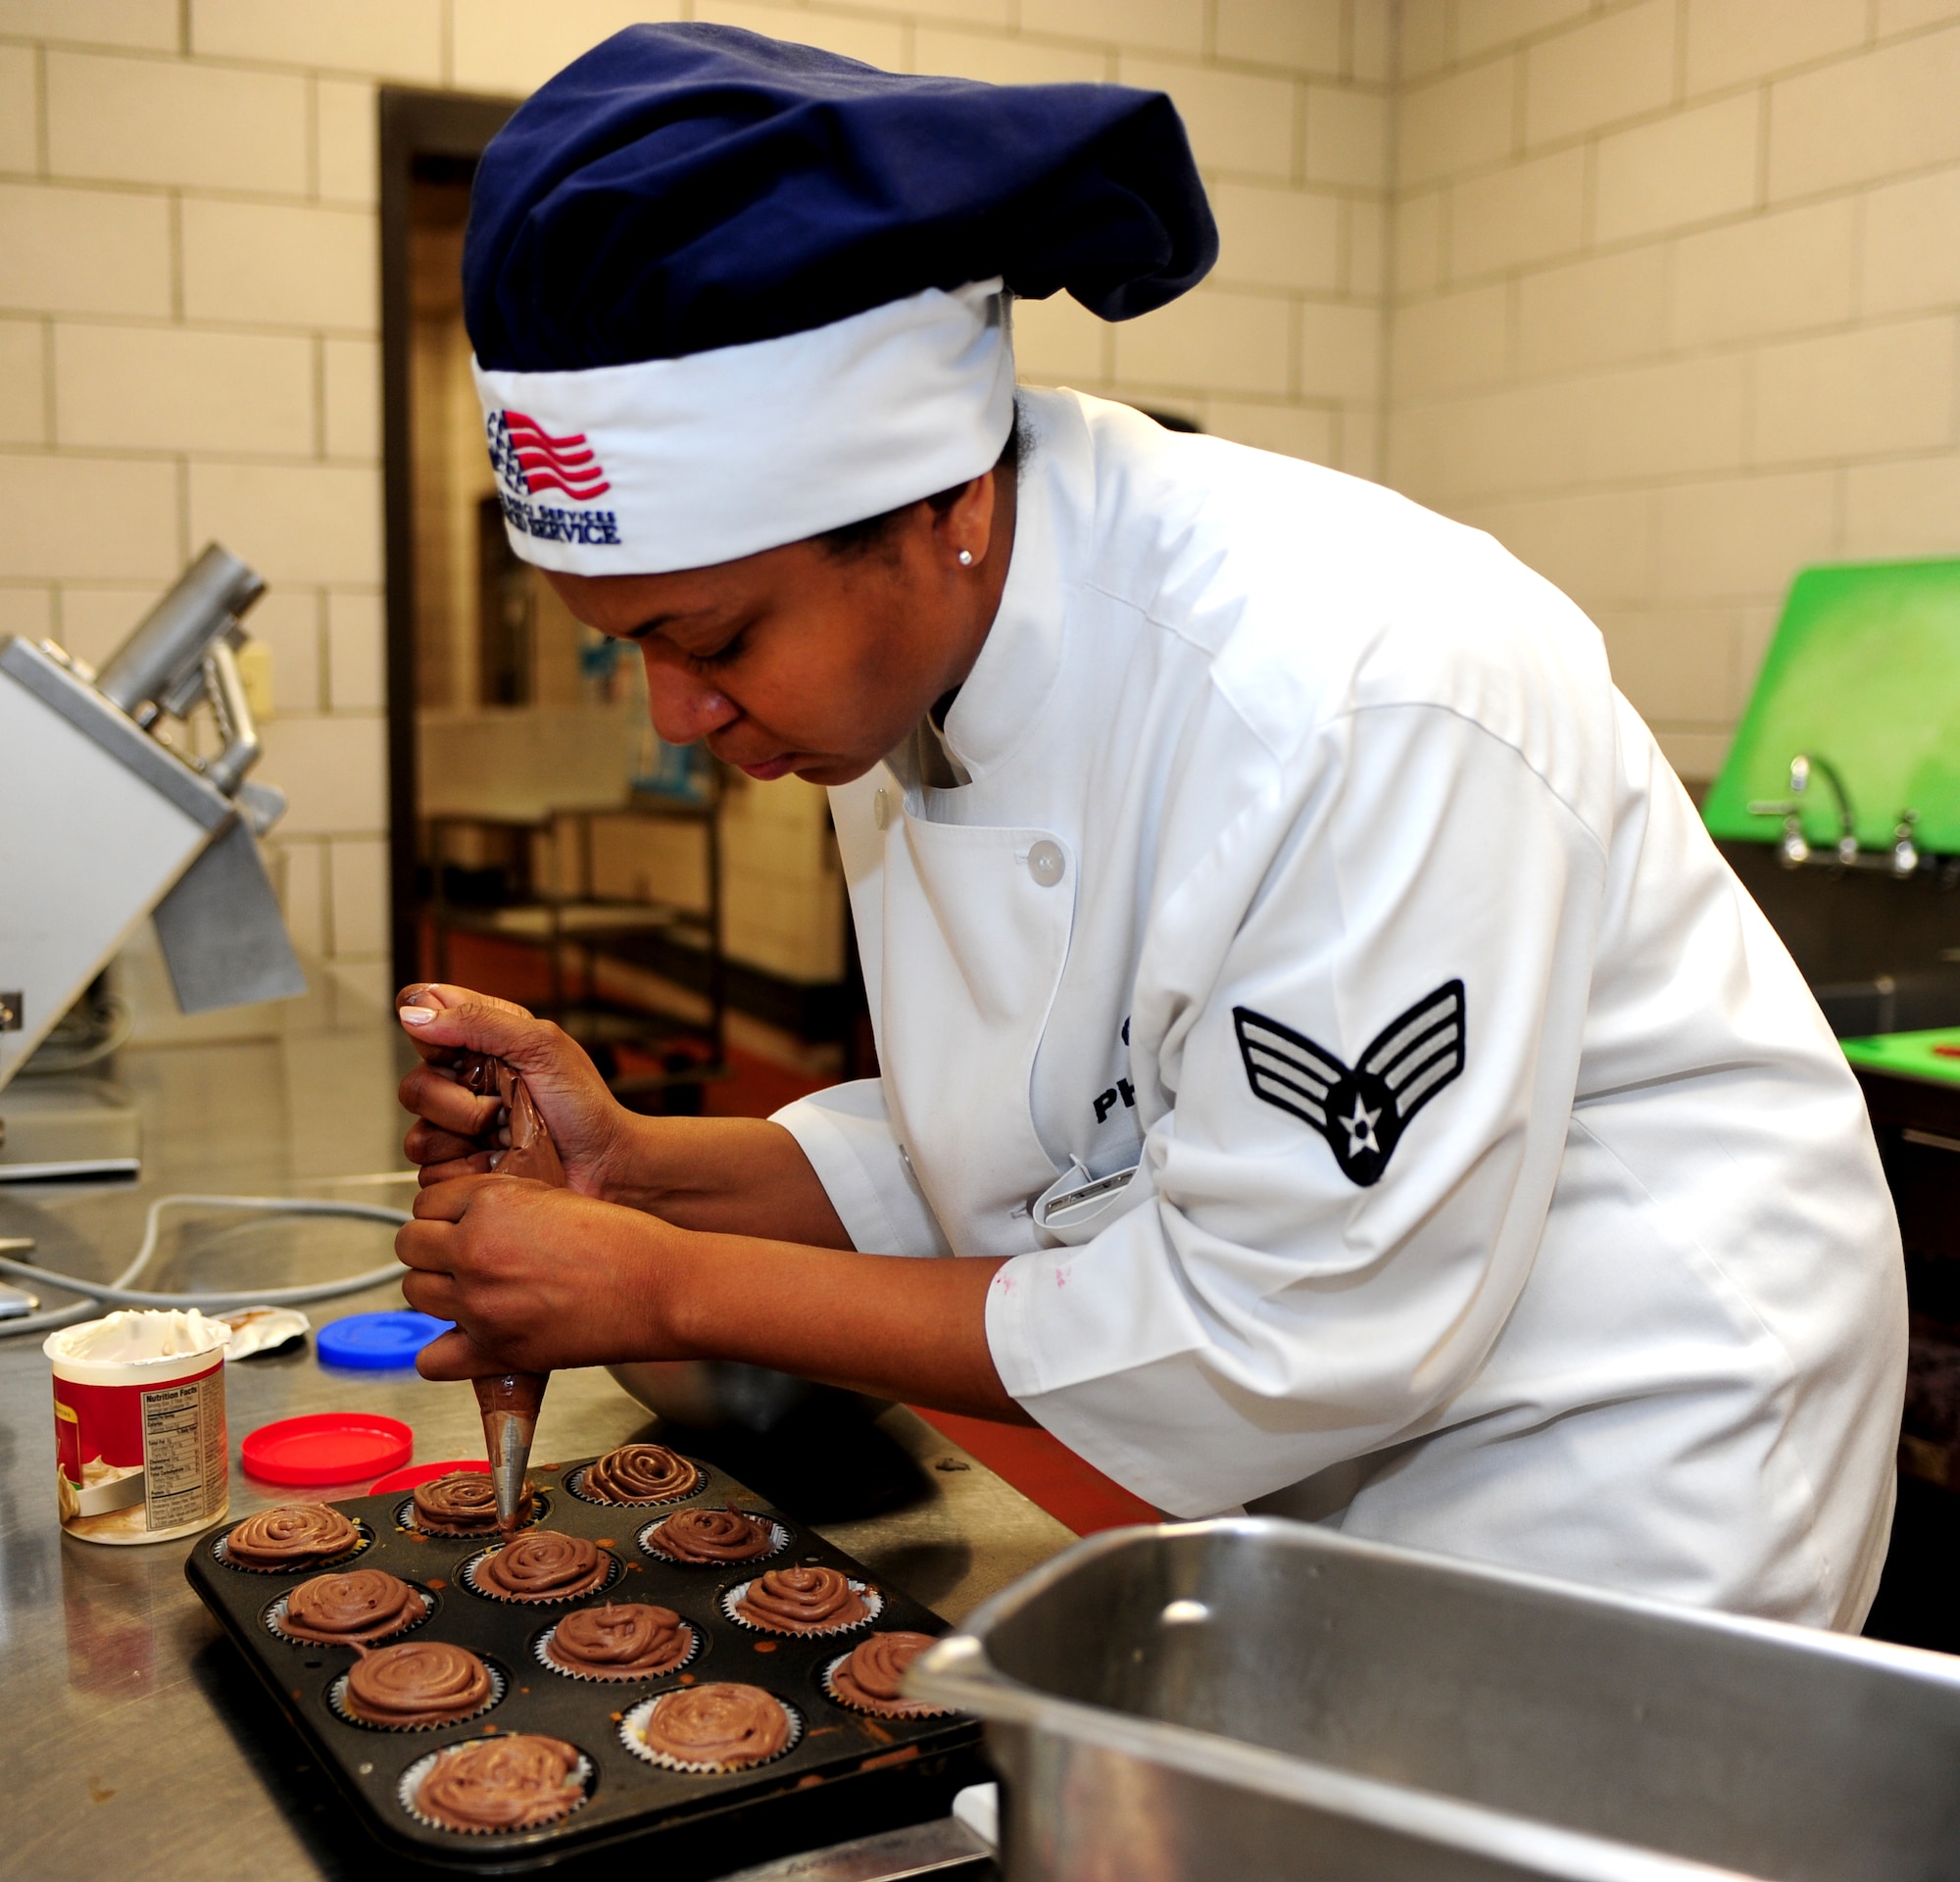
point(537, 1277)
point(534, 1276)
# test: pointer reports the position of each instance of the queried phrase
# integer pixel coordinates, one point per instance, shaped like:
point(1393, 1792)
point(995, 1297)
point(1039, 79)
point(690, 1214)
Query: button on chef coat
point(1622, 1301)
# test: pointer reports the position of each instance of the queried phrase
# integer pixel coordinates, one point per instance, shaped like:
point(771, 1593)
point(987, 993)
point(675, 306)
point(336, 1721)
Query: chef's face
point(810, 659)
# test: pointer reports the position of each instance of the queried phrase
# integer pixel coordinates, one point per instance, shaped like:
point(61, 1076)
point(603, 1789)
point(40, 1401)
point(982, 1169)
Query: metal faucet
point(1795, 847)
point(1800, 768)
point(1905, 851)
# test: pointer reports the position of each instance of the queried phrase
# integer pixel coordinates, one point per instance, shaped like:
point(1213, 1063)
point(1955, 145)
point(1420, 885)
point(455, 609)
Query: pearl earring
point(967, 558)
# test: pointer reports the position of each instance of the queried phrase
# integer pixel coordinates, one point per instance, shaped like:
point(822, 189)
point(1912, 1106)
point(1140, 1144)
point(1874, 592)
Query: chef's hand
point(592, 1129)
point(537, 1279)
point(725, 1176)
point(534, 1276)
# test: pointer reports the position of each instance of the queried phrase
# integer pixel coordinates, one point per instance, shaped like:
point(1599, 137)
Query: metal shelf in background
point(575, 929)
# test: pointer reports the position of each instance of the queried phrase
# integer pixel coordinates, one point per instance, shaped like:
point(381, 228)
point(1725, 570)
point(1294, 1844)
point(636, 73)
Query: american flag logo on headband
point(529, 460)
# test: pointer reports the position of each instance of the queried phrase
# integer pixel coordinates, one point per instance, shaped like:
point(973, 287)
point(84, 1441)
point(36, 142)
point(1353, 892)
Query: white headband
point(680, 464)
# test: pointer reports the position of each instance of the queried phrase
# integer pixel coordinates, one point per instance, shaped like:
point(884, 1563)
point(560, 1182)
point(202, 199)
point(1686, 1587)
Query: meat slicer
point(104, 820)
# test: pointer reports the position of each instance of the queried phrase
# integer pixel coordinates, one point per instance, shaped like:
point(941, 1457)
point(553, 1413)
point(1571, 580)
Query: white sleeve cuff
point(845, 1133)
point(1052, 1316)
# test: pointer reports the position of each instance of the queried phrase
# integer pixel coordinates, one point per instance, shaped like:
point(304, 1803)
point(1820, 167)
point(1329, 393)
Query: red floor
point(484, 964)
point(1046, 1471)
point(1040, 1467)
point(754, 1087)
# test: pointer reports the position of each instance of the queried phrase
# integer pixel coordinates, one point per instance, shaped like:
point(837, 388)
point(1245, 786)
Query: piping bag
point(510, 1401)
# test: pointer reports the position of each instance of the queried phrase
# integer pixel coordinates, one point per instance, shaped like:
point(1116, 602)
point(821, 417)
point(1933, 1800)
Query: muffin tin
point(846, 1775)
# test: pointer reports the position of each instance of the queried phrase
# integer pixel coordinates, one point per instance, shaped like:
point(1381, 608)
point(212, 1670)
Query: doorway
point(546, 846)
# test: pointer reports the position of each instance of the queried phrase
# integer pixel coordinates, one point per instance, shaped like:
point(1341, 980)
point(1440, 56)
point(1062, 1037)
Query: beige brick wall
point(189, 348)
point(1674, 308)
point(1664, 292)
point(189, 321)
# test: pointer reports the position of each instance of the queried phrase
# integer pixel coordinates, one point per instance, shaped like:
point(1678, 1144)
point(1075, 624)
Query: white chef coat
point(1263, 760)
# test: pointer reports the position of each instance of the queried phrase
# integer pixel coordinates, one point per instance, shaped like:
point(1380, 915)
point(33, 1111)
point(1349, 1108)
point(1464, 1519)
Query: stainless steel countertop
point(135, 1740)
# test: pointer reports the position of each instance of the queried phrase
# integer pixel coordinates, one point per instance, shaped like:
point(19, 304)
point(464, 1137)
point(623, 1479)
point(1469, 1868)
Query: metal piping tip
point(510, 1443)
point(510, 1406)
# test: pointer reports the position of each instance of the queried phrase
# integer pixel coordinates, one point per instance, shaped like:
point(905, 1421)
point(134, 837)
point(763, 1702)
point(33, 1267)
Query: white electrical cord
point(51, 1058)
point(120, 1293)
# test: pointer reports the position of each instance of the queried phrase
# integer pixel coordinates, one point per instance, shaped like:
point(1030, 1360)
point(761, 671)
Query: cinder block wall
point(188, 311)
point(188, 306)
point(1668, 292)
point(1674, 287)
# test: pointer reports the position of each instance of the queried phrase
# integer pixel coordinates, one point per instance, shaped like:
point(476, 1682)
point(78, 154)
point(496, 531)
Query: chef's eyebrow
point(709, 618)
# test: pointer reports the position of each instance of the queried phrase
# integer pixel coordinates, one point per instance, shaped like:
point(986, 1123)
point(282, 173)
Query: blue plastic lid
point(377, 1342)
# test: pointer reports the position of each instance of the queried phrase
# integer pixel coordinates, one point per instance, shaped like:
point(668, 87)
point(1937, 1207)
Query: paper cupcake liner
point(915, 1708)
point(575, 1483)
point(779, 1540)
point(364, 1541)
point(466, 1574)
point(336, 1703)
point(275, 1618)
point(634, 1723)
point(874, 1606)
point(698, 1642)
point(410, 1780)
point(405, 1519)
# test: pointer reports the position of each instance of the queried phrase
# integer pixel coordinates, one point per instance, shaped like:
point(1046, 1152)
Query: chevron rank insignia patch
point(1362, 1110)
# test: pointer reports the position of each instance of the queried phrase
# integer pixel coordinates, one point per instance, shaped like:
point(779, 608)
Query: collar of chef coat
point(1012, 681)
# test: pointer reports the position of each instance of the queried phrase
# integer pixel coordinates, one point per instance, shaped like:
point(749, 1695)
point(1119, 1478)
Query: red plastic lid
point(327, 1447)
point(426, 1473)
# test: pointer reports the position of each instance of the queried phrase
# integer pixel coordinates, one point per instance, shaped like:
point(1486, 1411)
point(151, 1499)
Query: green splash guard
point(1865, 673)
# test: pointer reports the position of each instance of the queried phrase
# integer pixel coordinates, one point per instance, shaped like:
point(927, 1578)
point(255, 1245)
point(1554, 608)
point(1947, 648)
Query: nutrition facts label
point(183, 1451)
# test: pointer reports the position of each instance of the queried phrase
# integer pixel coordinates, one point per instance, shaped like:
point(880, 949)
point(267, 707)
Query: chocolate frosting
point(631, 1639)
point(461, 1504)
point(802, 1601)
point(638, 1473)
point(531, 1151)
point(296, 1535)
point(419, 1682)
point(724, 1724)
point(869, 1677)
point(542, 1565)
point(513, 1783)
point(714, 1535)
point(356, 1605)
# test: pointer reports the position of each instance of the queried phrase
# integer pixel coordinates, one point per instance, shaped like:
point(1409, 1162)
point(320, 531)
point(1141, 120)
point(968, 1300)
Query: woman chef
point(1486, 1179)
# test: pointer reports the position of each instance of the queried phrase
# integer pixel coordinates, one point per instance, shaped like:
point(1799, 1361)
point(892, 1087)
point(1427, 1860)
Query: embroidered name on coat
point(1362, 1110)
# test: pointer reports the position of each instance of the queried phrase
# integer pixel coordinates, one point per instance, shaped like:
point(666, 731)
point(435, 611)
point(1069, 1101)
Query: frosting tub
point(139, 1425)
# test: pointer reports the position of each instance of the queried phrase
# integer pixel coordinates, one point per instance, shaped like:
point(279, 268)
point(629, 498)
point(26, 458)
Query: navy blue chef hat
point(725, 291)
point(682, 187)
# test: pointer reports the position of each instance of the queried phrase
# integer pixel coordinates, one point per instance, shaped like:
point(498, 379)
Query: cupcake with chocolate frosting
point(463, 1504)
point(722, 1726)
point(713, 1536)
point(416, 1684)
point(870, 1677)
point(638, 1473)
point(295, 1535)
point(498, 1784)
point(350, 1609)
point(628, 1640)
point(802, 1600)
point(542, 1565)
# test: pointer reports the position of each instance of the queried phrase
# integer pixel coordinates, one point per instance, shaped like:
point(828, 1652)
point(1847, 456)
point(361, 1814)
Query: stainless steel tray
point(1251, 1698)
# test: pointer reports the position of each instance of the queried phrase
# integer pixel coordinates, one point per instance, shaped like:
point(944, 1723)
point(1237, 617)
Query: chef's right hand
point(592, 1129)
point(720, 1175)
